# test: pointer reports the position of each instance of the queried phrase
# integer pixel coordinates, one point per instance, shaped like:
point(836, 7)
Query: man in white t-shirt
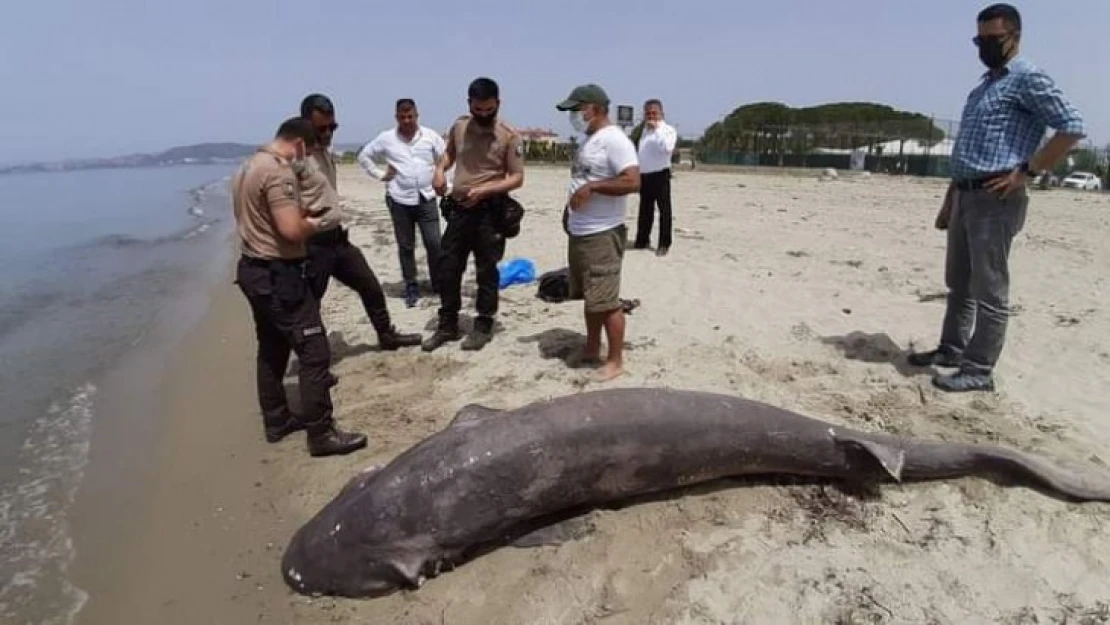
point(605, 170)
point(410, 151)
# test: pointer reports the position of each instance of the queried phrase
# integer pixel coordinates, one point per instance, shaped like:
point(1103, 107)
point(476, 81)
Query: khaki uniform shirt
point(326, 163)
point(264, 185)
point(483, 154)
point(318, 195)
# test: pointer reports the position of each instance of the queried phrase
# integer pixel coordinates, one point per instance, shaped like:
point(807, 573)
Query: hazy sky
point(104, 77)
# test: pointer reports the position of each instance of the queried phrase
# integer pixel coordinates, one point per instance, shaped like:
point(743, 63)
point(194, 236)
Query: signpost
point(624, 116)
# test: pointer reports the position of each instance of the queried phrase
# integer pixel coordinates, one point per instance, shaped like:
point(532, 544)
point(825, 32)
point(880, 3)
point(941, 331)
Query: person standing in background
point(271, 273)
point(410, 152)
point(996, 153)
point(331, 252)
point(656, 147)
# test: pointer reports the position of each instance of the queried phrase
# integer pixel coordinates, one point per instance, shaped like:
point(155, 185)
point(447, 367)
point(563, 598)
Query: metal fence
point(915, 148)
point(912, 148)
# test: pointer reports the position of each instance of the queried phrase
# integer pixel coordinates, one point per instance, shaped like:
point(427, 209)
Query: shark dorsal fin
point(471, 413)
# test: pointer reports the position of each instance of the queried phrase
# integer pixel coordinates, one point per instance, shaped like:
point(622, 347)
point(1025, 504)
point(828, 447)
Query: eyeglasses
point(980, 40)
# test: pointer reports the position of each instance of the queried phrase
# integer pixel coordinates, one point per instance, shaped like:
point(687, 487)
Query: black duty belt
point(269, 262)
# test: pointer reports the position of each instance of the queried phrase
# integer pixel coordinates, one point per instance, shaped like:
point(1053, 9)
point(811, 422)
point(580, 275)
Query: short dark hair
point(1007, 12)
point(405, 104)
point(483, 89)
point(655, 101)
point(316, 102)
point(297, 128)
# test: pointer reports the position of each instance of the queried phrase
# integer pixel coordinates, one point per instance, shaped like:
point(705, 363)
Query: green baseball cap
point(583, 94)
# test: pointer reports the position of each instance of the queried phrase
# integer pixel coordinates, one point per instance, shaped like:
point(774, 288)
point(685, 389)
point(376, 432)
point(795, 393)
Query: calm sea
point(92, 260)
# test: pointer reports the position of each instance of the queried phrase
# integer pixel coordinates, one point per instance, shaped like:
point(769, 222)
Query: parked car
point(1046, 180)
point(1082, 180)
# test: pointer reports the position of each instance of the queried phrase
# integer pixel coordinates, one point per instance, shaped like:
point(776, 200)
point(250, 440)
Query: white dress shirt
point(656, 147)
point(413, 161)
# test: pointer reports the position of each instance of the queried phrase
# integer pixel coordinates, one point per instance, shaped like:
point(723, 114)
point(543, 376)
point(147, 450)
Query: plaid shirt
point(1005, 119)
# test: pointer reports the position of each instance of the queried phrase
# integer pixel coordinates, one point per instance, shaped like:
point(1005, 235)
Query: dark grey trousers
point(405, 220)
point(977, 273)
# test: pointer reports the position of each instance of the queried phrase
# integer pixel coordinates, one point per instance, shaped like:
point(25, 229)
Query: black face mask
point(992, 52)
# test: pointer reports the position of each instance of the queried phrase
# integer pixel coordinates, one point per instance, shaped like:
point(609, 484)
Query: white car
point(1082, 180)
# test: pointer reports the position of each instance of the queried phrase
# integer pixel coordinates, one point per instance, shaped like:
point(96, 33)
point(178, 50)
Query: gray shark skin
point(492, 472)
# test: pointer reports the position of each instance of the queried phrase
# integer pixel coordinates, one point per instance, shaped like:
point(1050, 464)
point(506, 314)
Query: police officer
point(331, 252)
point(272, 228)
point(488, 156)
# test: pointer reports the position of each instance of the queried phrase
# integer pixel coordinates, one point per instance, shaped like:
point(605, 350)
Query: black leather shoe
point(393, 340)
point(934, 358)
point(332, 442)
point(275, 434)
point(438, 339)
point(477, 339)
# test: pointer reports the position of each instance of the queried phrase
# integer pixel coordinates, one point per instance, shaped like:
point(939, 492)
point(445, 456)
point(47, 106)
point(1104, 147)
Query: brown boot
point(332, 442)
point(392, 340)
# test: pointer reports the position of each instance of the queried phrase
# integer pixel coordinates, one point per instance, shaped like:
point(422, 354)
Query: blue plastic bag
point(517, 271)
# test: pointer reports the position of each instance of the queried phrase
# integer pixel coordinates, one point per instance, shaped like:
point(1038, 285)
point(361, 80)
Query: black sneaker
point(412, 294)
point(964, 381)
point(438, 339)
point(663, 251)
point(934, 358)
point(332, 442)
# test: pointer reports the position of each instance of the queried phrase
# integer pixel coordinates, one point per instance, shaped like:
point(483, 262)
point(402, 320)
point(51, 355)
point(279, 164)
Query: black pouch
point(290, 283)
point(447, 208)
point(510, 213)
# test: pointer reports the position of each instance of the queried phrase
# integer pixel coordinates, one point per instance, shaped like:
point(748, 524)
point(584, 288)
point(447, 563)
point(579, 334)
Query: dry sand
point(785, 289)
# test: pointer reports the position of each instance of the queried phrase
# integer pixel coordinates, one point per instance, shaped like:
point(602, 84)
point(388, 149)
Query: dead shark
point(493, 475)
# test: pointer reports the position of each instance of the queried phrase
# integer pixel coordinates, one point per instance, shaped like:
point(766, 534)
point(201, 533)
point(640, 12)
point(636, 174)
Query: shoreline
point(812, 319)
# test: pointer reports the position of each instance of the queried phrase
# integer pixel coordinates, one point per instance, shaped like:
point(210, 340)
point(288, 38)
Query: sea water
point(89, 261)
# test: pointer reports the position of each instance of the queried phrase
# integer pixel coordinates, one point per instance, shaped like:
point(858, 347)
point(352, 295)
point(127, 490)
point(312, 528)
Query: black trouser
point(655, 188)
point(287, 319)
point(405, 220)
point(331, 253)
point(474, 230)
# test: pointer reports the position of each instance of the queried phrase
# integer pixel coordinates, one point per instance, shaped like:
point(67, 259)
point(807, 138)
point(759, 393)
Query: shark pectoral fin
point(555, 534)
point(891, 458)
point(473, 412)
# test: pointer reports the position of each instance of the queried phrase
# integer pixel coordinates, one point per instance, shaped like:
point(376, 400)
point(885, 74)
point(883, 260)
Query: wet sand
point(785, 289)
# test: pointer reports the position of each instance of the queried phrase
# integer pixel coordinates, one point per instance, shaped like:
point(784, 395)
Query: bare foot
point(584, 359)
point(607, 372)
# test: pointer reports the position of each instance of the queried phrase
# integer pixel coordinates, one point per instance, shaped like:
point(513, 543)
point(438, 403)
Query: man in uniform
point(272, 228)
point(996, 153)
point(657, 144)
point(605, 170)
point(488, 156)
point(331, 252)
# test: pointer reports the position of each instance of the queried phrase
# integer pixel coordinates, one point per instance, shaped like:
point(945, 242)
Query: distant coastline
point(196, 154)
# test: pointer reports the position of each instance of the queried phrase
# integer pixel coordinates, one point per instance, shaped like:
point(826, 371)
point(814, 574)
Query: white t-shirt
point(600, 156)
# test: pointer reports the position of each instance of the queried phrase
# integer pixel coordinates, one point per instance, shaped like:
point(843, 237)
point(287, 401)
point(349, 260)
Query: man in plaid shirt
point(1004, 120)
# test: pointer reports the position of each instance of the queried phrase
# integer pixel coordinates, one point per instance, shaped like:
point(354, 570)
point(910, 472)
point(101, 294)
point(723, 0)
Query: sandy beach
point(782, 288)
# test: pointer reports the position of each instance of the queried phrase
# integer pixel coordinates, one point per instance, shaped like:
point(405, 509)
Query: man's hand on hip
point(1005, 185)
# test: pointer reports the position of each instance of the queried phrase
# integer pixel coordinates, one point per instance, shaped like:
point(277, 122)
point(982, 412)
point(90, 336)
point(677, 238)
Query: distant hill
point(199, 154)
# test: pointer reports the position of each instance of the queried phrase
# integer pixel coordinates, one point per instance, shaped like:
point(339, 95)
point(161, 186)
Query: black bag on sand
point(554, 286)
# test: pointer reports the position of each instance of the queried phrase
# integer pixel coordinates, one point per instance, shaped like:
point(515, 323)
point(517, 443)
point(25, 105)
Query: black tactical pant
point(476, 230)
point(287, 319)
point(655, 190)
point(331, 253)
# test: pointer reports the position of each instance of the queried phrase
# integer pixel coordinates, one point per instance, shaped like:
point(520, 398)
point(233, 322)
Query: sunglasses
point(979, 40)
point(329, 128)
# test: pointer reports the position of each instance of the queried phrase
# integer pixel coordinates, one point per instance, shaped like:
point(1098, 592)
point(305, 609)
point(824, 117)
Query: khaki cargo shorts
point(595, 268)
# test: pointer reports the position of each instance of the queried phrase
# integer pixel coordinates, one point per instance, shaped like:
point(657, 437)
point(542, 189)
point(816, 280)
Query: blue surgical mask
point(578, 121)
